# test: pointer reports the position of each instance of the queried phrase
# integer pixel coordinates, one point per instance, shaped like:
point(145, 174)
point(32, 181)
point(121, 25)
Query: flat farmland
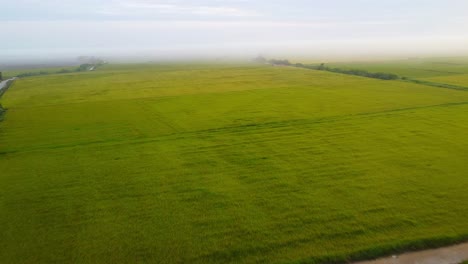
point(228, 163)
point(412, 68)
point(459, 79)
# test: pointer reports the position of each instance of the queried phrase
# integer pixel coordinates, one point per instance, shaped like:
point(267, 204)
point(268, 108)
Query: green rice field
point(200, 163)
point(416, 68)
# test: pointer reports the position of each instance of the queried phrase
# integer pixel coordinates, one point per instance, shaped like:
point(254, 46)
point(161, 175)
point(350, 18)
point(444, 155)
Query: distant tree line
point(279, 62)
point(28, 74)
point(263, 60)
point(323, 67)
point(363, 73)
point(81, 68)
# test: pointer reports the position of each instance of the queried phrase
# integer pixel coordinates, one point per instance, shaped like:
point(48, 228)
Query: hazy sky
point(232, 27)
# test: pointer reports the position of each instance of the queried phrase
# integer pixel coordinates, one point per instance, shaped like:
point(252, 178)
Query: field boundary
point(380, 76)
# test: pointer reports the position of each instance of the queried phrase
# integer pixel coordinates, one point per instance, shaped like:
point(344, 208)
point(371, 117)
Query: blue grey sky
point(233, 27)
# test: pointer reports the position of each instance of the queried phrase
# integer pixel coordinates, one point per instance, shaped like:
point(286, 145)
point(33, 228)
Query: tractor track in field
point(445, 255)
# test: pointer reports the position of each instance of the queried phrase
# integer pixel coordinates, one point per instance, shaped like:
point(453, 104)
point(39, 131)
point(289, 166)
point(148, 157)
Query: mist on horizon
point(231, 29)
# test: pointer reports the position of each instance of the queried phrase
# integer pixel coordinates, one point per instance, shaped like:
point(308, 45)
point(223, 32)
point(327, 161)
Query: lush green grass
point(205, 164)
point(412, 68)
point(461, 79)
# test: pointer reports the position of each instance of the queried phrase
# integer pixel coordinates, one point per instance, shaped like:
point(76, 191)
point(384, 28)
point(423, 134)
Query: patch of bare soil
point(446, 255)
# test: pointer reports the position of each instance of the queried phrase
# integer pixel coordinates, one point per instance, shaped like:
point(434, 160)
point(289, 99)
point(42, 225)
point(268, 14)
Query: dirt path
point(446, 255)
point(4, 85)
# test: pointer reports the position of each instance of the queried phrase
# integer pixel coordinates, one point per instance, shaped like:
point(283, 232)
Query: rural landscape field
point(232, 163)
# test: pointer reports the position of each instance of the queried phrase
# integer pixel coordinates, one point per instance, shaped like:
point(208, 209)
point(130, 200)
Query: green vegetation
point(218, 164)
point(36, 71)
point(2, 112)
point(82, 67)
point(435, 84)
point(47, 71)
point(323, 67)
point(415, 68)
point(458, 80)
point(450, 73)
point(362, 73)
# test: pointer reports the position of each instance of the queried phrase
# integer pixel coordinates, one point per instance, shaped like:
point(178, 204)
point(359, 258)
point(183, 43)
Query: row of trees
point(363, 73)
point(263, 60)
point(81, 68)
point(323, 67)
point(28, 74)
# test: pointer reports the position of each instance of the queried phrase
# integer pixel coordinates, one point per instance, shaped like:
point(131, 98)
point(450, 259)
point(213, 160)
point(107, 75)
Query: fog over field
point(180, 29)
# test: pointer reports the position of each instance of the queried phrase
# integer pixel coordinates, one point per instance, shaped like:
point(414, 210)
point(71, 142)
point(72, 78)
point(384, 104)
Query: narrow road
point(4, 84)
point(446, 255)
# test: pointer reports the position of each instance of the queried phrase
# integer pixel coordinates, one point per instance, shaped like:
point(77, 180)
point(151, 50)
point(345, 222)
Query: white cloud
point(132, 7)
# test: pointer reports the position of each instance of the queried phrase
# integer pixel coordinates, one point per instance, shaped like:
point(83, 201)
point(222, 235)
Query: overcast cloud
point(232, 27)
